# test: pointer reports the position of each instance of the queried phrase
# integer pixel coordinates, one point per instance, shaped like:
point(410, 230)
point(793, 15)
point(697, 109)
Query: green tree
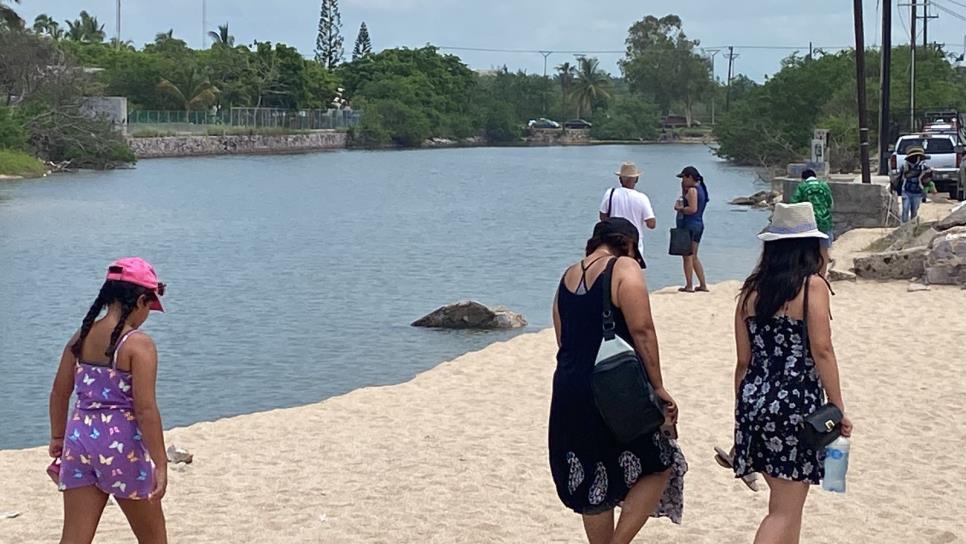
point(45, 25)
point(86, 29)
point(328, 42)
point(222, 37)
point(193, 91)
point(629, 117)
point(363, 45)
point(9, 17)
point(591, 85)
point(661, 64)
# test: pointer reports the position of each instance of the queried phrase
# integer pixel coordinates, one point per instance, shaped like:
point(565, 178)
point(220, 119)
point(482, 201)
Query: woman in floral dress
point(784, 371)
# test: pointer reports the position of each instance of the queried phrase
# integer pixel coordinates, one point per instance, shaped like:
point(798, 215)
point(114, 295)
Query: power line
point(956, 3)
point(948, 11)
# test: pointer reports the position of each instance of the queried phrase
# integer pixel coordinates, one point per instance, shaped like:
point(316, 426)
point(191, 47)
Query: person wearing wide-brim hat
point(786, 368)
point(627, 202)
point(912, 177)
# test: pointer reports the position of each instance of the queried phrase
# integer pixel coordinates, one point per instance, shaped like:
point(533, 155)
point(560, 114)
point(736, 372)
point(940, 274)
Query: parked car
point(542, 122)
point(577, 124)
point(944, 155)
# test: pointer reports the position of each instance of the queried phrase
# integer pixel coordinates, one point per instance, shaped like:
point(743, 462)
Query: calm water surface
point(294, 278)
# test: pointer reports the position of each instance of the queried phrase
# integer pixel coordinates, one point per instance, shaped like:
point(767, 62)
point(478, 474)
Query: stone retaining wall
point(187, 146)
point(857, 205)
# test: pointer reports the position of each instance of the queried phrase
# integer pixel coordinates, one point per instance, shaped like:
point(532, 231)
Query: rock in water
point(469, 314)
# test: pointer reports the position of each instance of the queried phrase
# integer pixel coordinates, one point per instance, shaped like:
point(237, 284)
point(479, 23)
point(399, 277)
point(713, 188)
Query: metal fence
point(239, 120)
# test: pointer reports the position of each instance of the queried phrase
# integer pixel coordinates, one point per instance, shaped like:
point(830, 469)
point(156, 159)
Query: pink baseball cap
point(139, 272)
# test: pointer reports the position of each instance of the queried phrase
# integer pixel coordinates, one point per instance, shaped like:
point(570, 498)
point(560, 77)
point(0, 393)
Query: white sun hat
point(792, 221)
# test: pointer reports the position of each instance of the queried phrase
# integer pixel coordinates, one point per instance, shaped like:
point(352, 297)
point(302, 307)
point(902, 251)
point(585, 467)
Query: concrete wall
point(112, 108)
point(187, 146)
point(857, 205)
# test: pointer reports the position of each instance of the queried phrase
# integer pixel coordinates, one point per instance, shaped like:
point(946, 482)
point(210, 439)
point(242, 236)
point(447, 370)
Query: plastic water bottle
point(836, 465)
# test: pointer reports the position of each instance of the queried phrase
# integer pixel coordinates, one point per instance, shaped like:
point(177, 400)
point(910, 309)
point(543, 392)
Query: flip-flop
point(685, 290)
point(703, 290)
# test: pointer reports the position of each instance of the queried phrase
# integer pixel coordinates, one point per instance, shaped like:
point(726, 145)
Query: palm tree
point(46, 25)
point(9, 17)
point(222, 37)
point(565, 76)
point(194, 92)
point(162, 37)
point(590, 85)
point(123, 44)
point(87, 29)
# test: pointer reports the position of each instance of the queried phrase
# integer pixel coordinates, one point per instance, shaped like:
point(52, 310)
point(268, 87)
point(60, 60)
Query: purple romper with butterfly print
point(103, 445)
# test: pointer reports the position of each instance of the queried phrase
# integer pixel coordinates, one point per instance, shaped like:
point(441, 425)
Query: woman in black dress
point(784, 370)
point(594, 473)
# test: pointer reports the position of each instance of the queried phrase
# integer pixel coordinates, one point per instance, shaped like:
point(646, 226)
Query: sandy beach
point(458, 454)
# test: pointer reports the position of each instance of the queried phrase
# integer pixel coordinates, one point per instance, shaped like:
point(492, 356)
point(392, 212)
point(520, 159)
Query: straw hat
point(915, 151)
point(792, 221)
point(628, 170)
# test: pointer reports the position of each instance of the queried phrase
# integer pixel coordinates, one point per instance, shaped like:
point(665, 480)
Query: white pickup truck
point(944, 155)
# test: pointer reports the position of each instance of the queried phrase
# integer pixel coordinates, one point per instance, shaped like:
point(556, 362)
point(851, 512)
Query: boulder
point(908, 235)
point(955, 219)
point(946, 261)
point(893, 265)
point(840, 275)
point(471, 315)
point(743, 201)
point(761, 199)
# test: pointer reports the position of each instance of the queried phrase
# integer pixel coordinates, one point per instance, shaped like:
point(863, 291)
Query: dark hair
point(808, 173)
point(615, 241)
point(781, 273)
point(125, 293)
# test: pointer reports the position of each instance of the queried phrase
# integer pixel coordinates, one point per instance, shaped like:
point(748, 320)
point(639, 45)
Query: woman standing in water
point(112, 444)
point(594, 473)
point(690, 208)
point(786, 367)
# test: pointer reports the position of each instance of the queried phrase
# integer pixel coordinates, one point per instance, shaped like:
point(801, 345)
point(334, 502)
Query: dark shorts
point(697, 231)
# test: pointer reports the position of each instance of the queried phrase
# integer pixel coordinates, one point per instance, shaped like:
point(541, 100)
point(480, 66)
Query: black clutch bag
point(622, 392)
point(822, 427)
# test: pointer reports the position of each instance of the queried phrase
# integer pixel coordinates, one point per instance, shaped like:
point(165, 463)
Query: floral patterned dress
point(779, 390)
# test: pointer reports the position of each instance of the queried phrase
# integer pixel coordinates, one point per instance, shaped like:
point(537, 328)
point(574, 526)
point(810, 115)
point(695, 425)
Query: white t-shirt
point(630, 204)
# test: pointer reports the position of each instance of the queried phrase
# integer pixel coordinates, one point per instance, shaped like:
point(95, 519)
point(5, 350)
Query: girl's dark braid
point(92, 314)
point(127, 306)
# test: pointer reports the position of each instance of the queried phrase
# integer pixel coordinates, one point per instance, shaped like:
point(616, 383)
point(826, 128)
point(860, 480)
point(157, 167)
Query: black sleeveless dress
point(591, 470)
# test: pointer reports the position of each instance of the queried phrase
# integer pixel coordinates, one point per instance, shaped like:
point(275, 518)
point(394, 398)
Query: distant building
point(111, 108)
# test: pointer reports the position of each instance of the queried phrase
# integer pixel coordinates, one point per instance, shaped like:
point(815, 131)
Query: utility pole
point(731, 63)
point(925, 24)
point(204, 24)
point(860, 86)
point(714, 83)
point(545, 55)
point(117, 27)
point(885, 79)
point(912, 66)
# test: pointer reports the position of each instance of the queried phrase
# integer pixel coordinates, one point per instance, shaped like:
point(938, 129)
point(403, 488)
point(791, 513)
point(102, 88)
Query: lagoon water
point(292, 279)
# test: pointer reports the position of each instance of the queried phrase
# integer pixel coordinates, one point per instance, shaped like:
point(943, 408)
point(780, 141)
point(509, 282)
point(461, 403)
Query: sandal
point(686, 290)
point(703, 290)
point(726, 460)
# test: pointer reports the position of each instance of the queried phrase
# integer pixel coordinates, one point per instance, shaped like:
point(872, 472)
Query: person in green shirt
point(818, 192)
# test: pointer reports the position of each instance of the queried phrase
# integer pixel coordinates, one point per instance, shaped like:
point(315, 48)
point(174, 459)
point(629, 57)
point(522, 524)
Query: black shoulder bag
point(622, 392)
point(823, 425)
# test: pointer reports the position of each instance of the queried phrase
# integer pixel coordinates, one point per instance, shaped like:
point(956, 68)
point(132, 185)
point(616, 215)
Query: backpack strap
point(609, 324)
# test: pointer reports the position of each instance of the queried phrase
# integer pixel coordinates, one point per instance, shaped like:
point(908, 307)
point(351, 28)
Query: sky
point(535, 25)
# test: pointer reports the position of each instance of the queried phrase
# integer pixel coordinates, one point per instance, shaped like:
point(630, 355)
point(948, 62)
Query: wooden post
point(885, 79)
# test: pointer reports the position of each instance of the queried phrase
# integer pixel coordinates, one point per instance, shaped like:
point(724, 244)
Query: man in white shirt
point(627, 202)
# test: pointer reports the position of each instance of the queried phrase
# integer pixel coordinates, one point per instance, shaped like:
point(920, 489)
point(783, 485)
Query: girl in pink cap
point(112, 443)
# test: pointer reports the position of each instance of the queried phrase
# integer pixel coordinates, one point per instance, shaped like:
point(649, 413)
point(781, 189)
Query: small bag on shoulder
point(622, 392)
